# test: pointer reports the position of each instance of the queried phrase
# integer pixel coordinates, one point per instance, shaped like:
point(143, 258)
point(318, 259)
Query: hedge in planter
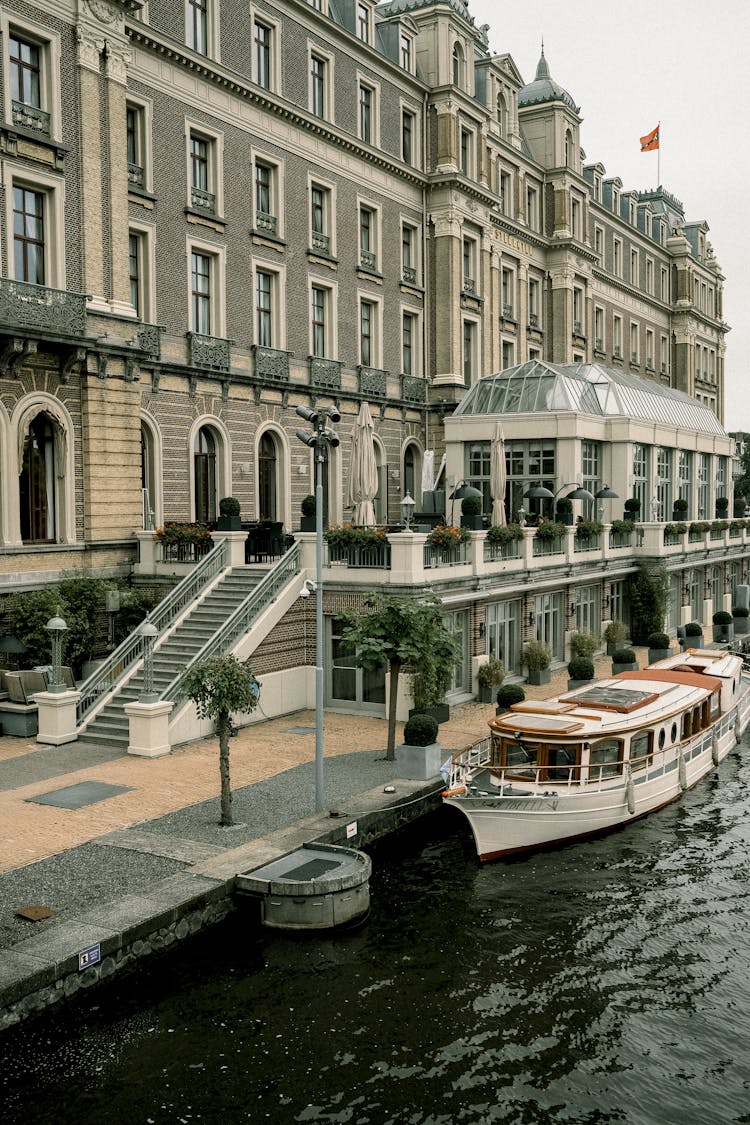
point(580, 671)
point(420, 755)
point(723, 626)
point(537, 658)
point(421, 730)
point(659, 647)
point(623, 660)
point(584, 643)
point(471, 513)
point(740, 616)
point(507, 695)
point(229, 514)
point(614, 634)
point(308, 507)
point(489, 676)
point(693, 635)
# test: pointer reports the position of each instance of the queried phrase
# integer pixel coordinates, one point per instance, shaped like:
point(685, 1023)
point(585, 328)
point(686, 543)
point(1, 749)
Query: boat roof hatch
point(616, 696)
point(543, 706)
point(538, 724)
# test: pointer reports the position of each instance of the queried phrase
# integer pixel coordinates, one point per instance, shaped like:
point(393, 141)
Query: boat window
point(563, 763)
point(520, 758)
point(715, 706)
point(662, 738)
point(605, 758)
point(640, 750)
point(674, 732)
point(687, 724)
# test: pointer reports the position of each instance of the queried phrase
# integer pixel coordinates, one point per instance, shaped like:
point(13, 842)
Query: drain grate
point(298, 730)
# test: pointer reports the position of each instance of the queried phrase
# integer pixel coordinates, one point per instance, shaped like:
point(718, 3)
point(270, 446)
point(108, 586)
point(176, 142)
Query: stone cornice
point(212, 72)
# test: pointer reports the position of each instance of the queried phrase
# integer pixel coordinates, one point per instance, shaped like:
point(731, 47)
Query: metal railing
point(377, 556)
point(444, 556)
point(240, 621)
point(162, 616)
point(495, 552)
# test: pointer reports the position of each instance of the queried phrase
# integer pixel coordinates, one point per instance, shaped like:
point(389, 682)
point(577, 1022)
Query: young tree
point(407, 635)
point(218, 686)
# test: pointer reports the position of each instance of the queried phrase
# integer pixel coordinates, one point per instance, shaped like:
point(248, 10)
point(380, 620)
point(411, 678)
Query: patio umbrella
point(363, 474)
point(497, 475)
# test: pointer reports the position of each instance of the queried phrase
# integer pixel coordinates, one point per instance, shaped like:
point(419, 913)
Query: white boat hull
point(505, 822)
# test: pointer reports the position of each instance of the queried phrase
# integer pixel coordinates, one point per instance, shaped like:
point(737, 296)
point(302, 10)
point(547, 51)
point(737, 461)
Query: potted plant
point(673, 530)
point(419, 756)
point(500, 534)
point(489, 676)
point(722, 507)
point(614, 634)
point(623, 528)
point(658, 647)
point(580, 671)
point(632, 508)
point(471, 513)
point(740, 615)
point(694, 635)
point(550, 529)
point(537, 658)
point(679, 508)
point(229, 514)
point(446, 537)
point(507, 695)
point(588, 529)
point(564, 511)
point(307, 523)
point(623, 660)
point(583, 643)
point(723, 627)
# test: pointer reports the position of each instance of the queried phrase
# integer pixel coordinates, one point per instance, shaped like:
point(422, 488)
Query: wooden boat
point(601, 755)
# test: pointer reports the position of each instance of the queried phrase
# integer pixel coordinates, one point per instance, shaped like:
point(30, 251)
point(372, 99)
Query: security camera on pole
point(318, 439)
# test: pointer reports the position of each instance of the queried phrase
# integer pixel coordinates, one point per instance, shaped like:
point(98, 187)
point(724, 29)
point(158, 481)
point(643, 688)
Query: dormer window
point(615, 201)
point(405, 52)
point(364, 17)
point(458, 65)
point(502, 115)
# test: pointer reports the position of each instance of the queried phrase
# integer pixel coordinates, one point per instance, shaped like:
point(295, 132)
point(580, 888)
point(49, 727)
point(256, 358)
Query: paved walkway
point(31, 832)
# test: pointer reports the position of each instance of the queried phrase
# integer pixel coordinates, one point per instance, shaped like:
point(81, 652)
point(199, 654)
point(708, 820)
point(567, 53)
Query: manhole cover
point(35, 913)
point(80, 795)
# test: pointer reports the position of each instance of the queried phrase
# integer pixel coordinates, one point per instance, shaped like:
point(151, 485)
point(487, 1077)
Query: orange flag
point(650, 141)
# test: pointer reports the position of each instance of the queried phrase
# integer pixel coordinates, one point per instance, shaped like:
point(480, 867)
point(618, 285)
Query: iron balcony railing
point(376, 557)
point(23, 305)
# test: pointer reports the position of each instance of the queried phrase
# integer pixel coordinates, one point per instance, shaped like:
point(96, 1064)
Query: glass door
point(350, 687)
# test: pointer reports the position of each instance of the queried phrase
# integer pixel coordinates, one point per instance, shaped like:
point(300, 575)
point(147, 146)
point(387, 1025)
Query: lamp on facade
point(56, 627)
point(408, 504)
point(148, 633)
point(319, 439)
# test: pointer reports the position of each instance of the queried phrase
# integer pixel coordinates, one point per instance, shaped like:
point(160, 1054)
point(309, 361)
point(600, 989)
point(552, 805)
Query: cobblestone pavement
point(190, 774)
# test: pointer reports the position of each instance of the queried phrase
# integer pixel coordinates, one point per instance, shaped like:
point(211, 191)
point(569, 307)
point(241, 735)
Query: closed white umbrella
point(363, 474)
point(497, 475)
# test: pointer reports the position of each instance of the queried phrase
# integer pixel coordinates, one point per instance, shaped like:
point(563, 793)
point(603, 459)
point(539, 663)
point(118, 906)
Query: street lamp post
point(318, 439)
point(56, 627)
point(148, 633)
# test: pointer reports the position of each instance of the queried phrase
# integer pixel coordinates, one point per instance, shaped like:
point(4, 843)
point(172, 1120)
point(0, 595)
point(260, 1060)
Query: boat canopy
point(585, 388)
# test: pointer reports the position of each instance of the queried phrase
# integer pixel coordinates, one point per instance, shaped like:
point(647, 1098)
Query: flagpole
point(658, 160)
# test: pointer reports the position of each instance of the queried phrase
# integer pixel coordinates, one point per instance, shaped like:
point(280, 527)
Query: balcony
point(409, 275)
point(413, 389)
point(268, 224)
point(368, 259)
point(325, 374)
point(507, 312)
point(469, 285)
point(320, 242)
point(31, 117)
point(271, 364)
point(373, 381)
point(209, 352)
point(203, 200)
point(533, 320)
point(27, 306)
point(136, 176)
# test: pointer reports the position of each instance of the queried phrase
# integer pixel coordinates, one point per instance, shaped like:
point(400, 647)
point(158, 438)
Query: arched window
point(267, 477)
point(502, 115)
point(38, 482)
point(148, 478)
point(458, 65)
point(413, 474)
point(568, 148)
point(204, 469)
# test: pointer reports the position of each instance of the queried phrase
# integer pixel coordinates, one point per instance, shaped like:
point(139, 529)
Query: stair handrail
point(238, 621)
point(130, 651)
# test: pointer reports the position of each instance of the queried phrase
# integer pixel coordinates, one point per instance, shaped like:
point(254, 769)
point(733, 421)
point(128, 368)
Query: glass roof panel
point(537, 386)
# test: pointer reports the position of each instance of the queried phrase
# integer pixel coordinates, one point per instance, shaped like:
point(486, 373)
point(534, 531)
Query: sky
point(630, 66)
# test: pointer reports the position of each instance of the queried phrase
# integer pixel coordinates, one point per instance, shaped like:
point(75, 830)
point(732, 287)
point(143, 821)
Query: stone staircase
point(109, 727)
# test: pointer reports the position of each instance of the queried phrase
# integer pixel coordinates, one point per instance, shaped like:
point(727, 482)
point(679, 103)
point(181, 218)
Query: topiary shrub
point(509, 694)
point(693, 629)
point(721, 617)
point(471, 506)
point(421, 730)
point(308, 506)
point(581, 668)
point(740, 611)
point(623, 656)
point(658, 640)
point(229, 506)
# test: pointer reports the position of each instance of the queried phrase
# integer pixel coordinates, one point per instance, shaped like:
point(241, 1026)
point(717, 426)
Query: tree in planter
point(722, 507)
point(583, 643)
point(489, 675)
point(679, 508)
point(647, 594)
point(632, 508)
point(407, 635)
point(537, 658)
point(614, 634)
point(218, 686)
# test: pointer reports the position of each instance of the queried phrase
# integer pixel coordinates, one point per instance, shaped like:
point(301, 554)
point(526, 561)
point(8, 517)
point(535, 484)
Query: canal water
point(608, 981)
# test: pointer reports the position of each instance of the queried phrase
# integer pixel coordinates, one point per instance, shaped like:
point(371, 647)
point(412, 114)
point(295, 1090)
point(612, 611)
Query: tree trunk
point(226, 791)
point(395, 670)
